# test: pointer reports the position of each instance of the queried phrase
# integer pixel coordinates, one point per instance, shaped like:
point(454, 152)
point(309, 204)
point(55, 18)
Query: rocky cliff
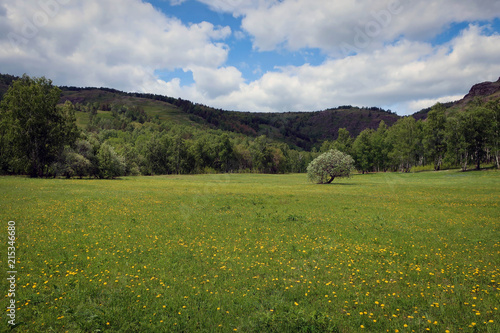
point(483, 89)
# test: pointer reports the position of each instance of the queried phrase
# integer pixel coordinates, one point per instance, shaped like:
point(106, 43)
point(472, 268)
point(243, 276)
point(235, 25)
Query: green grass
point(82, 119)
point(165, 111)
point(256, 253)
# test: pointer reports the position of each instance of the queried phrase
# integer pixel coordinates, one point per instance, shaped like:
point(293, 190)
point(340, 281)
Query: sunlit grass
point(375, 253)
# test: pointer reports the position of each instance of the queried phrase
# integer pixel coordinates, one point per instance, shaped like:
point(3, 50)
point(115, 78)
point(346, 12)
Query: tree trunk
point(463, 161)
point(437, 163)
point(331, 180)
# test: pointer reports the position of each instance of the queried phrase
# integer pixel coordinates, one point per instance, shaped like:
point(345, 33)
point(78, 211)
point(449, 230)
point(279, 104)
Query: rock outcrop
point(483, 89)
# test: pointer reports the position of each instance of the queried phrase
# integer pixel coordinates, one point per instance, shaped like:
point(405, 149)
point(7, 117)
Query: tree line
point(39, 138)
point(447, 138)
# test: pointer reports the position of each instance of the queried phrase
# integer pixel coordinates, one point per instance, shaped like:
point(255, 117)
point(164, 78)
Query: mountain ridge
point(304, 130)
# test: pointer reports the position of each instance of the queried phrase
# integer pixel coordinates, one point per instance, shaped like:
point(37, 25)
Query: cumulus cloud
point(379, 55)
point(177, 2)
point(107, 42)
point(238, 7)
point(407, 76)
point(215, 82)
point(425, 103)
point(332, 26)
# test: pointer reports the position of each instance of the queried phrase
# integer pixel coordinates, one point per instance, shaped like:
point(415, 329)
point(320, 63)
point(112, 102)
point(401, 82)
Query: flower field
point(255, 253)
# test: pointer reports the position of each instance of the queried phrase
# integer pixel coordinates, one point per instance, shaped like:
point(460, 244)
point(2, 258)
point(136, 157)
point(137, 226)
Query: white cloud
point(237, 7)
point(215, 82)
point(108, 42)
point(239, 34)
point(425, 103)
point(177, 2)
point(120, 44)
point(405, 77)
point(364, 24)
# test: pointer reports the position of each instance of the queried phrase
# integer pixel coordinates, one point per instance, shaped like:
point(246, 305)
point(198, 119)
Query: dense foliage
point(33, 130)
point(447, 138)
point(302, 130)
point(330, 165)
point(39, 137)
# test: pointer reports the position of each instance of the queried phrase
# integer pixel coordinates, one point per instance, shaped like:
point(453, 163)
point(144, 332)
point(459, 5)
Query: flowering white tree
point(330, 165)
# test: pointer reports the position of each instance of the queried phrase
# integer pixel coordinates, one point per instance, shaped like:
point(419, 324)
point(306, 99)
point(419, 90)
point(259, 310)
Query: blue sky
point(260, 55)
point(250, 62)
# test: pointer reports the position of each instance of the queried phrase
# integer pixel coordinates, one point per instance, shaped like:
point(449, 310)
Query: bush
point(330, 165)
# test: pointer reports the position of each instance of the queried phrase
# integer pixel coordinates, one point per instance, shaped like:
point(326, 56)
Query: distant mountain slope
point(301, 129)
point(104, 98)
point(298, 129)
point(486, 91)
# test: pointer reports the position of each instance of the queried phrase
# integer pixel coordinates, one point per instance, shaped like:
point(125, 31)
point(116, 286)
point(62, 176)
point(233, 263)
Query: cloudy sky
point(260, 55)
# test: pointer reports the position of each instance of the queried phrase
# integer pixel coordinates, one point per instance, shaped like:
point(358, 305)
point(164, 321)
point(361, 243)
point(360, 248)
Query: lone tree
point(330, 165)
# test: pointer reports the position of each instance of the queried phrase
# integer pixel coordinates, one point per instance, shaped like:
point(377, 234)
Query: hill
point(303, 130)
point(298, 129)
point(486, 91)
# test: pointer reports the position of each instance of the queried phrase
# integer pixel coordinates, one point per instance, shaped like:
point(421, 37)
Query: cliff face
point(483, 89)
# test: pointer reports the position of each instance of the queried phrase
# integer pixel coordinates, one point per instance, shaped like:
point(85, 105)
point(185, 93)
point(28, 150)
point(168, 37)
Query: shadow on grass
point(335, 184)
point(486, 168)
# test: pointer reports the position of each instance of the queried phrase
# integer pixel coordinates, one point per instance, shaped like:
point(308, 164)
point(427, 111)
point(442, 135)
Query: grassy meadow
point(255, 253)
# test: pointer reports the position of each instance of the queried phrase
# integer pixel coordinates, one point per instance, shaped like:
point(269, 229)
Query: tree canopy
point(117, 136)
point(330, 165)
point(33, 130)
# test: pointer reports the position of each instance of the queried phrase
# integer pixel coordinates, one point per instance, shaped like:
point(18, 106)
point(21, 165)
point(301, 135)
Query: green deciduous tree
point(362, 151)
point(344, 141)
point(178, 155)
point(262, 155)
point(74, 164)
point(380, 148)
point(330, 165)
point(434, 135)
point(156, 154)
point(456, 142)
point(470, 134)
point(34, 129)
point(494, 107)
point(405, 139)
point(225, 153)
point(477, 127)
point(111, 165)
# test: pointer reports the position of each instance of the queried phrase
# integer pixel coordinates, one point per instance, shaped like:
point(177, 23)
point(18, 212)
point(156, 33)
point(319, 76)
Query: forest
point(43, 135)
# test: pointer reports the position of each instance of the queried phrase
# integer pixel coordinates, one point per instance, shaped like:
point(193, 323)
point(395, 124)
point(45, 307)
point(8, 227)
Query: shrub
point(330, 165)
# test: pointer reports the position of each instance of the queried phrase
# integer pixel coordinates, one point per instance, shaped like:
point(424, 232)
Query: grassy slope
point(165, 111)
point(303, 129)
point(257, 253)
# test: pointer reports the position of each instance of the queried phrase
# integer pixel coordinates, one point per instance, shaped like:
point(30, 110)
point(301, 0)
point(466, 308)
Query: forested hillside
point(121, 133)
point(303, 130)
